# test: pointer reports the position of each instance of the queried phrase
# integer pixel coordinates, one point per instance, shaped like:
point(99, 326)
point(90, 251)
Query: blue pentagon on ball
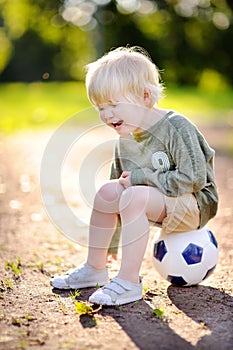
point(192, 254)
point(178, 280)
point(212, 238)
point(160, 250)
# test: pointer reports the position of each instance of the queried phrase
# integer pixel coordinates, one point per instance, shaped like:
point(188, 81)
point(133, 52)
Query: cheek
point(102, 117)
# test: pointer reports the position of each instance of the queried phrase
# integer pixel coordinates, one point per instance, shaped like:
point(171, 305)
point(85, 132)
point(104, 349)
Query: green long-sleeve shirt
point(173, 156)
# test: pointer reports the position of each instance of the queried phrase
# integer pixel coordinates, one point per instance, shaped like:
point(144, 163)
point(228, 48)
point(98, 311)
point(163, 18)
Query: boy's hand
point(124, 180)
point(111, 258)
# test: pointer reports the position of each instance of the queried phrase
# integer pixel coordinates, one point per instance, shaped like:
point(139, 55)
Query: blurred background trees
point(51, 40)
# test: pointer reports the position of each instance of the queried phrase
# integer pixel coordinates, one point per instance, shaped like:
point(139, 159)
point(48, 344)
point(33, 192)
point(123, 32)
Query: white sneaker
point(117, 292)
point(82, 276)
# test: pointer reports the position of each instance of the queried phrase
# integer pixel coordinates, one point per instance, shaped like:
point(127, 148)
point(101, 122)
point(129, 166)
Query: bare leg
point(103, 223)
point(137, 205)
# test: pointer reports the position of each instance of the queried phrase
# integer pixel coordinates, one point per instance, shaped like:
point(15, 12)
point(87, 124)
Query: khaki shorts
point(182, 214)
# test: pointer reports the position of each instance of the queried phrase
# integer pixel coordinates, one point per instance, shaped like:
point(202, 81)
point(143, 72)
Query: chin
point(123, 132)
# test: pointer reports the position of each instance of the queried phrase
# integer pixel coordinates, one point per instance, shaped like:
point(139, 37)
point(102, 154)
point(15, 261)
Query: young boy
point(162, 172)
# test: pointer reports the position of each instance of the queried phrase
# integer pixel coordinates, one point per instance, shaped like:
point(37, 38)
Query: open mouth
point(117, 124)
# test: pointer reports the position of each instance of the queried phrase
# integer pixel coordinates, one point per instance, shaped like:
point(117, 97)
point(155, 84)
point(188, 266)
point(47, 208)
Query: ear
point(147, 97)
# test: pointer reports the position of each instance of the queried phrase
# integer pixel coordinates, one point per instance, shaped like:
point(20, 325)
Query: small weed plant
point(15, 267)
point(74, 294)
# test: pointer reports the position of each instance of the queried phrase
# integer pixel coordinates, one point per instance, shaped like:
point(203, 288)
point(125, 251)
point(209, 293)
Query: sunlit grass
point(203, 107)
point(42, 105)
point(39, 105)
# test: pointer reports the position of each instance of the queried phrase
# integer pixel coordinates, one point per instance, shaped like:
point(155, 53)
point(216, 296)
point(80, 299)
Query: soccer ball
point(186, 259)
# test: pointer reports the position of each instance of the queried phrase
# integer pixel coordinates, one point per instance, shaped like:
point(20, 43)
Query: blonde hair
point(126, 71)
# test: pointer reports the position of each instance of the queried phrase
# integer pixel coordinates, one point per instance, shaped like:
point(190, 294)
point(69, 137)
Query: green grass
point(204, 107)
point(41, 105)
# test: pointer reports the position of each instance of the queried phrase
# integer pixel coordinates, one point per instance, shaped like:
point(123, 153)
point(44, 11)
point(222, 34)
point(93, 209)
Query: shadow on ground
point(200, 304)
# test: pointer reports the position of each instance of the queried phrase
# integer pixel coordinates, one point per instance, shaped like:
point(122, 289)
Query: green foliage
point(42, 42)
point(74, 294)
point(6, 49)
point(83, 309)
point(61, 305)
point(16, 321)
point(159, 313)
point(145, 289)
point(6, 285)
point(15, 267)
point(22, 320)
point(53, 39)
point(184, 40)
point(213, 81)
point(40, 266)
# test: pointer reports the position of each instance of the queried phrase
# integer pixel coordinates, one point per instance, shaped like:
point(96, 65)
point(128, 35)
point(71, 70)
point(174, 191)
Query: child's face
point(121, 115)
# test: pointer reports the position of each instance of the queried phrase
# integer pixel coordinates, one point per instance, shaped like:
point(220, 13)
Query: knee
point(109, 193)
point(132, 199)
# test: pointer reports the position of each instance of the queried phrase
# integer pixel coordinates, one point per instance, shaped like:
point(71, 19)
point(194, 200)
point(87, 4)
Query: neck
point(151, 117)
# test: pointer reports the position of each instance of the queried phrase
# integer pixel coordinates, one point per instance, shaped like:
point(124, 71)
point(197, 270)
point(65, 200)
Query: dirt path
point(34, 316)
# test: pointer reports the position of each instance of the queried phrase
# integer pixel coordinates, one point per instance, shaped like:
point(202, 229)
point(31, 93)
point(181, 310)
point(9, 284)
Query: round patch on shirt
point(160, 160)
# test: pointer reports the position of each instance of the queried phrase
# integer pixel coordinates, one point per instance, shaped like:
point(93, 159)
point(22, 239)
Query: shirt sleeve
point(189, 174)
